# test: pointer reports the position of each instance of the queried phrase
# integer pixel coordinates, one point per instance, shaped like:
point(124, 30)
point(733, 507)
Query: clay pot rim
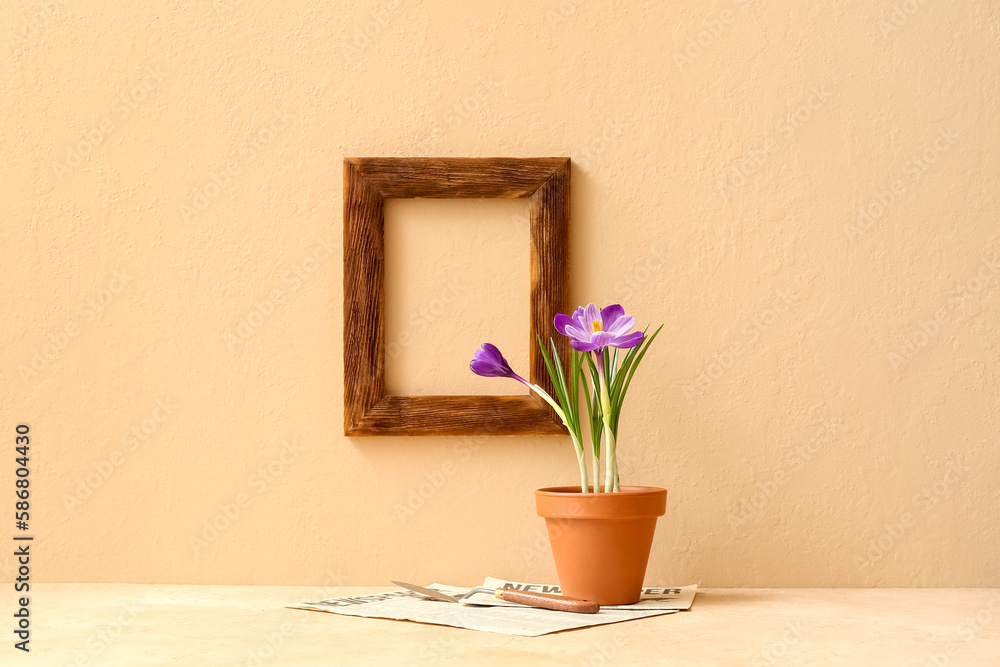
point(625, 491)
point(632, 502)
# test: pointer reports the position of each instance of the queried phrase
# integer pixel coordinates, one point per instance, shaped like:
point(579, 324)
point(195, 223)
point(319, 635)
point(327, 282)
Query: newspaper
point(672, 599)
point(492, 615)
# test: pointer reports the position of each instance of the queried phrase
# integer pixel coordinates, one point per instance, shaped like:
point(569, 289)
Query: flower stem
point(597, 474)
point(611, 466)
point(611, 462)
point(580, 452)
point(551, 401)
point(584, 482)
point(617, 486)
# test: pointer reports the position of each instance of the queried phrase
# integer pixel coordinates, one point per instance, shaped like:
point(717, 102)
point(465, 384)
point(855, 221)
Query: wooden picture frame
point(368, 182)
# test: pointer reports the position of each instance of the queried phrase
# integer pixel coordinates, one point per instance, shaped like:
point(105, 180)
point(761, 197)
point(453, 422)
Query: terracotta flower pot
point(601, 541)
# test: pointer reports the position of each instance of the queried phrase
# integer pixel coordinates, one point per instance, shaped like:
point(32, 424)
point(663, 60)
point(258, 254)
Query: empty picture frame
point(368, 182)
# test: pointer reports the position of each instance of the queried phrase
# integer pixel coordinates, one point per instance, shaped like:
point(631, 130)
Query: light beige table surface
point(108, 625)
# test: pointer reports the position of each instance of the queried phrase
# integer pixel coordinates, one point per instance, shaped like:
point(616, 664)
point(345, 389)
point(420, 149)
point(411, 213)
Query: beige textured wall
point(805, 194)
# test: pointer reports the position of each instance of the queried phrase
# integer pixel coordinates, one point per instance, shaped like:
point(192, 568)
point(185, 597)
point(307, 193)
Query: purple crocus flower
point(489, 363)
point(593, 330)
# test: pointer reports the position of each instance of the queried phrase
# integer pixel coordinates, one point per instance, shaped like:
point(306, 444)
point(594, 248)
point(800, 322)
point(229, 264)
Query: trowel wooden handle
point(546, 601)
